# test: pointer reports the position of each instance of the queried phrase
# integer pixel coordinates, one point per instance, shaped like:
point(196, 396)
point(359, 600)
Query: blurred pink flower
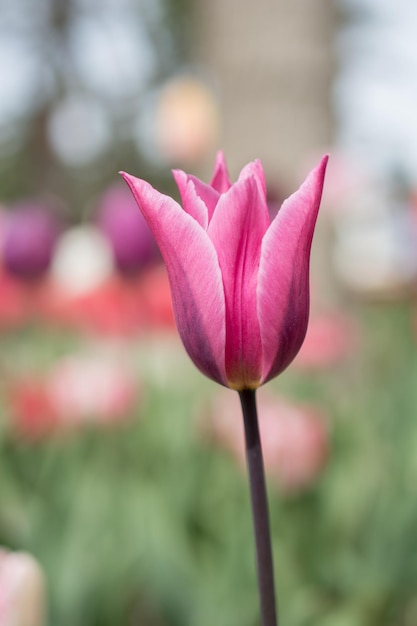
point(22, 590)
point(294, 438)
point(330, 339)
point(239, 281)
point(92, 388)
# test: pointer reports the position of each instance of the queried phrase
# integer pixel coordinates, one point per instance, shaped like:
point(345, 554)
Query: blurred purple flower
point(126, 229)
point(29, 240)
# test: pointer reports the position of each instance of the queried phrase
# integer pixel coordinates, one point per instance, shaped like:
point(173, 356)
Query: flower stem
point(259, 509)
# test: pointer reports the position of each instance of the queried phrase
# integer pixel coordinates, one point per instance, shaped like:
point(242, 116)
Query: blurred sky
point(376, 84)
point(101, 50)
point(101, 59)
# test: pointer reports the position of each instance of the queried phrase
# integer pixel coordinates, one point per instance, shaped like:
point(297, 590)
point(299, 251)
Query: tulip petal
point(191, 202)
point(283, 282)
point(220, 180)
point(255, 169)
point(236, 230)
point(194, 274)
point(194, 194)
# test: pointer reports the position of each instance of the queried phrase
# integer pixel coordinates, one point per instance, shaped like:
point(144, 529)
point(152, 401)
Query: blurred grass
point(147, 523)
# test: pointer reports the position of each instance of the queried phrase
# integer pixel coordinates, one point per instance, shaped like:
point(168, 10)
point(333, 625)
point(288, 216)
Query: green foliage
point(148, 523)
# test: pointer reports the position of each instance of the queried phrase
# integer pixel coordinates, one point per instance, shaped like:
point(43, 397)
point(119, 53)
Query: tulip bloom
point(239, 281)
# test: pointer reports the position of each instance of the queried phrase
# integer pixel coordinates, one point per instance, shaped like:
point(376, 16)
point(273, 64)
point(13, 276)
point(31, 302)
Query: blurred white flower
point(22, 590)
point(82, 260)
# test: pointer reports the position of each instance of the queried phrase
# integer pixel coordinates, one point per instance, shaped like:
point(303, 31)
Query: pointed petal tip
point(255, 169)
point(319, 172)
point(315, 178)
point(177, 171)
point(220, 180)
point(136, 185)
point(127, 177)
point(220, 162)
point(323, 162)
point(180, 177)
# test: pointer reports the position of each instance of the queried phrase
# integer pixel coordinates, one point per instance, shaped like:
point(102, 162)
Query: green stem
point(259, 501)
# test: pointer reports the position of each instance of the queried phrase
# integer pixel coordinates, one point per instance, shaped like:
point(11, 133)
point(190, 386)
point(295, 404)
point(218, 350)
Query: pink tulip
point(22, 590)
point(239, 281)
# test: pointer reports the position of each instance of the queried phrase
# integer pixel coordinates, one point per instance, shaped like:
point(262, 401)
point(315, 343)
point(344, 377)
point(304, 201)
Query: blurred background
point(121, 467)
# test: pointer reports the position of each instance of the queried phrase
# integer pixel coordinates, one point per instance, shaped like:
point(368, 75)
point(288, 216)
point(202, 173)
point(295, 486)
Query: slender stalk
point(259, 501)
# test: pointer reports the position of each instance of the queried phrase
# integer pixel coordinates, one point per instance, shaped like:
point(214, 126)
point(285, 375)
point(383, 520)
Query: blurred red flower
point(79, 389)
point(118, 307)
